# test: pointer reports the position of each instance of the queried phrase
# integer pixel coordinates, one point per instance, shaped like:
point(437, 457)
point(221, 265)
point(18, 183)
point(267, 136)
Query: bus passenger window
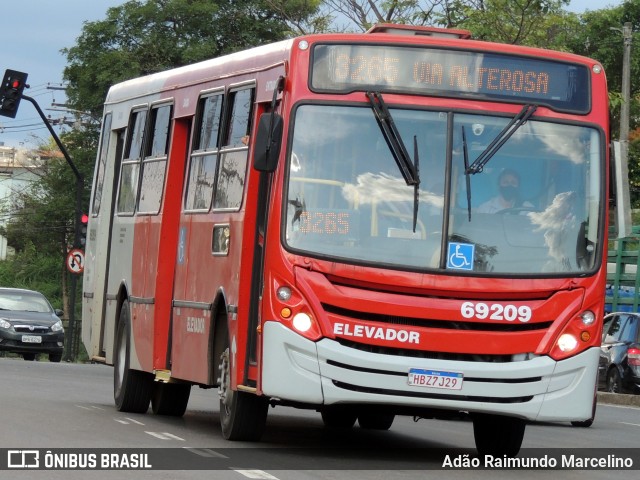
point(130, 168)
point(102, 161)
point(240, 118)
point(232, 167)
point(230, 185)
point(155, 161)
point(204, 157)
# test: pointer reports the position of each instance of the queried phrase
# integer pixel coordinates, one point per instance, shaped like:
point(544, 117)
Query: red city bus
point(402, 222)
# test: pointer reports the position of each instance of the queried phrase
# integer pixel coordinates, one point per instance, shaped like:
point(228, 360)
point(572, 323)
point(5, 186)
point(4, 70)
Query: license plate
point(31, 339)
point(435, 379)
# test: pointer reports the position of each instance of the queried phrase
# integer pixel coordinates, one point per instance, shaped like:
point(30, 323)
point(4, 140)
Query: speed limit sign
point(75, 260)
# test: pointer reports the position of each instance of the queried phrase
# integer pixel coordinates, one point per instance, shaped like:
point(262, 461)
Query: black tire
point(498, 435)
point(170, 398)
point(55, 357)
point(131, 388)
point(30, 357)
point(339, 416)
point(243, 415)
point(614, 381)
point(376, 421)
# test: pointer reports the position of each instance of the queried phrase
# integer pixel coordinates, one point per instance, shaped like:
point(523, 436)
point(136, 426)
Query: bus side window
point(204, 155)
point(233, 163)
point(130, 167)
point(155, 159)
point(239, 118)
point(100, 167)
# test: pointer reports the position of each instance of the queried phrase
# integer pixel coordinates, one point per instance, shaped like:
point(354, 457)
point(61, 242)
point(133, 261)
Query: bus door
point(97, 245)
point(209, 246)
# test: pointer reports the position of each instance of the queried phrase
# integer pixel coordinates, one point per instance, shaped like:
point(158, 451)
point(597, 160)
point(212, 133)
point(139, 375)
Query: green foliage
point(524, 22)
point(600, 37)
point(143, 37)
point(35, 270)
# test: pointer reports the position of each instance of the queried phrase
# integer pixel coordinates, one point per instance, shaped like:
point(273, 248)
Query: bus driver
point(508, 196)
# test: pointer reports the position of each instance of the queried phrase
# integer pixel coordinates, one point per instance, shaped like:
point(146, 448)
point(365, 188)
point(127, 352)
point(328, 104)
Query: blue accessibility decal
point(460, 256)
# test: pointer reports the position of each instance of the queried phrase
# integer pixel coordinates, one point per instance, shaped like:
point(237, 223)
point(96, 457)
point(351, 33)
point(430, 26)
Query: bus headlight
point(567, 342)
point(302, 322)
point(580, 333)
point(588, 317)
point(293, 311)
point(283, 294)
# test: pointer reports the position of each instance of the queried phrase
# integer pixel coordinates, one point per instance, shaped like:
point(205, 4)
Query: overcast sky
point(32, 44)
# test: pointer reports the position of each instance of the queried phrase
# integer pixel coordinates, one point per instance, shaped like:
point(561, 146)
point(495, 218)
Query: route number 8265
point(496, 311)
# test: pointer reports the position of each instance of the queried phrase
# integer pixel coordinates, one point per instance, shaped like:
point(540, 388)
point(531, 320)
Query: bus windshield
point(534, 208)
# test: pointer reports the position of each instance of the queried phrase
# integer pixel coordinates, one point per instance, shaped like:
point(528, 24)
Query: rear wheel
point(339, 416)
point(614, 382)
point(131, 388)
point(243, 415)
point(29, 356)
point(498, 435)
point(170, 398)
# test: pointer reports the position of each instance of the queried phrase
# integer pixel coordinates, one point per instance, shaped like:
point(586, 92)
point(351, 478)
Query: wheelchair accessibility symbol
point(460, 256)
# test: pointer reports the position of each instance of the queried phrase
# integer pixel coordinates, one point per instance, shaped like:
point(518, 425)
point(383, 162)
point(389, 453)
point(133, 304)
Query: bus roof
point(253, 59)
point(267, 56)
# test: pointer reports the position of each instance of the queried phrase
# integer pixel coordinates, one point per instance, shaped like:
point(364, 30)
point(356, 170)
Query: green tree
point(143, 37)
point(526, 22)
point(599, 36)
point(42, 220)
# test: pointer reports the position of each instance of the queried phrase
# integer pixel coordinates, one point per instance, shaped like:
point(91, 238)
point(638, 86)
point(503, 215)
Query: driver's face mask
point(509, 192)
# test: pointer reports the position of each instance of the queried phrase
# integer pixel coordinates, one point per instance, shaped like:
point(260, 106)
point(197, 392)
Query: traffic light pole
point(73, 332)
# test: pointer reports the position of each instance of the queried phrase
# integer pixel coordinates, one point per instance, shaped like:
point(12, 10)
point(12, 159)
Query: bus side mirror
point(268, 142)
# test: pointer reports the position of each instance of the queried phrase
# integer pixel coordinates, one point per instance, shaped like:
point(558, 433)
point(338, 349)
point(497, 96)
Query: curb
point(619, 399)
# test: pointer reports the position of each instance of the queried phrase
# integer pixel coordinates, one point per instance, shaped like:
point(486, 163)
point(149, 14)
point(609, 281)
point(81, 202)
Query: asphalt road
point(67, 410)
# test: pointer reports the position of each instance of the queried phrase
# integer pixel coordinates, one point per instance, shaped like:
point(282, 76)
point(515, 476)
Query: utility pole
point(621, 149)
point(626, 92)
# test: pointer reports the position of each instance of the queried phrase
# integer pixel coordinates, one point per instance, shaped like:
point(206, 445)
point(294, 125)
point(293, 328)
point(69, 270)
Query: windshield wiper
point(408, 168)
point(495, 145)
point(467, 174)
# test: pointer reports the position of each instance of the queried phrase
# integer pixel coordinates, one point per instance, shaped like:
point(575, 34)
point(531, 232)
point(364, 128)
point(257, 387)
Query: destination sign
point(452, 73)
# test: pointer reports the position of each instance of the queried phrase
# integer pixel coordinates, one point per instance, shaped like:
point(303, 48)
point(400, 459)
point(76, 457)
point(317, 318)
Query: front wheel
point(376, 421)
point(243, 415)
point(55, 357)
point(498, 435)
point(339, 416)
point(131, 388)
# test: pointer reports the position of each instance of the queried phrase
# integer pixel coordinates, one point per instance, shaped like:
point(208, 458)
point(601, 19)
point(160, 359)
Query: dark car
point(619, 369)
point(29, 325)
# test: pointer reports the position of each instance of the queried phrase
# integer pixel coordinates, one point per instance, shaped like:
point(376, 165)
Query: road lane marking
point(134, 421)
point(83, 407)
point(127, 421)
point(205, 452)
point(256, 474)
point(165, 436)
point(632, 424)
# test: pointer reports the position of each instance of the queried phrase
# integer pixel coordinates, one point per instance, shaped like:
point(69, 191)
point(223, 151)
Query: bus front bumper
point(324, 373)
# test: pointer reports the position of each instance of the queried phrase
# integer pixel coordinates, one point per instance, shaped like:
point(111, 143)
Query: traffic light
point(11, 90)
point(82, 237)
